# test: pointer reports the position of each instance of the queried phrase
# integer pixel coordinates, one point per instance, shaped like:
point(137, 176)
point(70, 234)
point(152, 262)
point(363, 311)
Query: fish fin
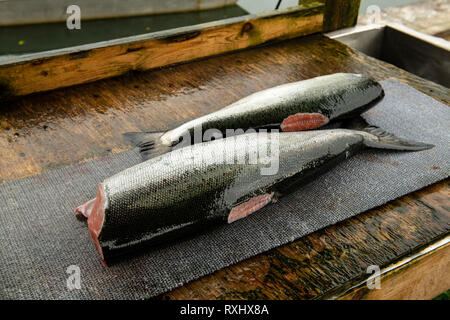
point(148, 143)
point(250, 206)
point(304, 121)
point(381, 139)
point(140, 138)
point(148, 153)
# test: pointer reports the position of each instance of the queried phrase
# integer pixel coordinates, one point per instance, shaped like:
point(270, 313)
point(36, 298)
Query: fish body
point(296, 106)
point(195, 187)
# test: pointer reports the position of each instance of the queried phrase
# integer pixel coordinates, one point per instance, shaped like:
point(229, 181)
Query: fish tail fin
point(375, 137)
point(148, 143)
point(378, 138)
point(381, 139)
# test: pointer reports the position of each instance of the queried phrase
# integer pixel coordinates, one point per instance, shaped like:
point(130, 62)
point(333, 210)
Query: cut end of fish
point(247, 208)
point(304, 121)
point(96, 219)
point(86, 208)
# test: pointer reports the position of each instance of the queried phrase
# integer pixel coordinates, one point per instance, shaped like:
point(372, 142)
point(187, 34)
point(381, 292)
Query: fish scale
point(296, 106)
point(193, 188)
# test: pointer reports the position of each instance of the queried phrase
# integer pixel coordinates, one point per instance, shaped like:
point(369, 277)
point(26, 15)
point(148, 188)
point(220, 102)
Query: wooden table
point(48, 130)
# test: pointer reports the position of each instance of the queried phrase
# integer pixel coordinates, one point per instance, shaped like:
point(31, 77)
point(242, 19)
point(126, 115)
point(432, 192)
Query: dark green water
point(42, 37)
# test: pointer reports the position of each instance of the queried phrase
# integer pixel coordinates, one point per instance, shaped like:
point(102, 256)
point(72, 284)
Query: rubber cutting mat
point(40, 236)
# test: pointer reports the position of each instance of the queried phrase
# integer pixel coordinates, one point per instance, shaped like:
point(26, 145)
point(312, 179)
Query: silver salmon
point(297, 106)
point(199, 186)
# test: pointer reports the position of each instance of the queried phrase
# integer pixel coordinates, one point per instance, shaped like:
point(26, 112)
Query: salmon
point(218, 182)
point(297, 106)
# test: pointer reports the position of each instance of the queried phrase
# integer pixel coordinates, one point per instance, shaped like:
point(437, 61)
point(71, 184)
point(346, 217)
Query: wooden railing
point(25, 74)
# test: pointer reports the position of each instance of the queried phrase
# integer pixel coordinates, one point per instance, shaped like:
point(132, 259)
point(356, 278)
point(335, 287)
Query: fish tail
point(148, 143)
point(381, 139)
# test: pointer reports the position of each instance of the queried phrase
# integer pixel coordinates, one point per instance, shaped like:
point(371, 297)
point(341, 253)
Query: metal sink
point(418, 53)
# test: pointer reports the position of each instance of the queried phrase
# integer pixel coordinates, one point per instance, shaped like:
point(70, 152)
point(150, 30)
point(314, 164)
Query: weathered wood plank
point(47, 130)
point(340, 14)
point(87, 63)
point(419, 277)
point(331, 261)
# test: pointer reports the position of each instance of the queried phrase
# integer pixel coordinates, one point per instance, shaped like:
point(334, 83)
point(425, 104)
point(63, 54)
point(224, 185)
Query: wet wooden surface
point(48, 130)
point(409, 279)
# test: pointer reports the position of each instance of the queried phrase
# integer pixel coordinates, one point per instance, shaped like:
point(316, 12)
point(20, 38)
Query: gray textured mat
point(40, 236)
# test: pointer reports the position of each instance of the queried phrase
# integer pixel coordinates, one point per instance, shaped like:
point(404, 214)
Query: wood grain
point(340, 14)
point(329, 262)
point(66, 67)
point(423, 277)
point(47, 130)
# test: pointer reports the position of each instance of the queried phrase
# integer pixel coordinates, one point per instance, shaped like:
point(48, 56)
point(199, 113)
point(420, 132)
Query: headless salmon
point(217, 182)
point(297, 106)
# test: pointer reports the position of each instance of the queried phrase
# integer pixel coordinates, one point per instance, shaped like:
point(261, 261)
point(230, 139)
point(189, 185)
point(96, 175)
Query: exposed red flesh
point(247, 208)
point(86, 208)
point(95, 214)
point(303, 121)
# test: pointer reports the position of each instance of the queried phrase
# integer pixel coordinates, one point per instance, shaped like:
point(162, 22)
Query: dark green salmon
point(217, 182)
point(297, 106)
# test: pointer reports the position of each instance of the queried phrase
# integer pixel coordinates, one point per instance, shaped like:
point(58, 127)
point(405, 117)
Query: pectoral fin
point(304, 121)
point(247, 208)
